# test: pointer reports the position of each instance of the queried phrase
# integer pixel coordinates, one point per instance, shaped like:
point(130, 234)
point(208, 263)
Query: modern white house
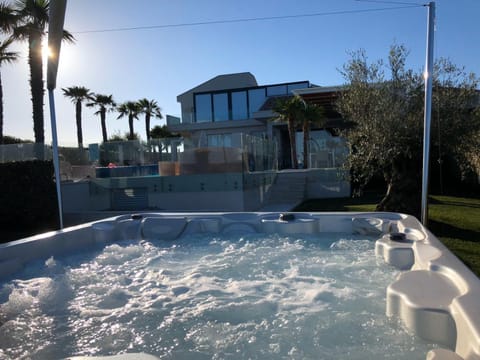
point(214, 111)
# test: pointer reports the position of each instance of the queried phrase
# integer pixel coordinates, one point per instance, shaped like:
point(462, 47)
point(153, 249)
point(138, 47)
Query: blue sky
point(162, 63)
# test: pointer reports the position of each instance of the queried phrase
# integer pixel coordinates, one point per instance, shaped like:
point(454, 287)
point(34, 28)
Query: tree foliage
point(6, 57)
point(104, 104)
point(8, 140)
point(162, 132)
point(31, 25)
point(8, 20)
point(298, 114)
point(129, 109)
point(385, 101)
point(291, 111)
point(78, 94)
point(149, 108)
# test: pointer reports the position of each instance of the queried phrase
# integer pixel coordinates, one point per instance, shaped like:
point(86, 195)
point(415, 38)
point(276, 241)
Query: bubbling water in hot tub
point(208, 296)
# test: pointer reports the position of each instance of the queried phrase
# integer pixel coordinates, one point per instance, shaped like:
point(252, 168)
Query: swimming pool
point(236, 286)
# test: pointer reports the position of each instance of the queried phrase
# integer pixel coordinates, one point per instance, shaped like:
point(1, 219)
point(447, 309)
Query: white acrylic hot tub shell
point(435, 296)
point(439, 298)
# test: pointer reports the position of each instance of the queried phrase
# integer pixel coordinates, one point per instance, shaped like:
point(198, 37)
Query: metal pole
point(56, 163)
point(428, 110)
point(55, 34)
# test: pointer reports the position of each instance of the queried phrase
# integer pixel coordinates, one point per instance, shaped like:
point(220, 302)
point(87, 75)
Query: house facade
point(226, 105)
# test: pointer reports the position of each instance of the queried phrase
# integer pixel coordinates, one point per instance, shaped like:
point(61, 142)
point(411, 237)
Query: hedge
point(28, 199)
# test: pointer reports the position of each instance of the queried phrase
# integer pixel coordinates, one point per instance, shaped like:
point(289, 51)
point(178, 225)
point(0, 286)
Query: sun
point(46, 52)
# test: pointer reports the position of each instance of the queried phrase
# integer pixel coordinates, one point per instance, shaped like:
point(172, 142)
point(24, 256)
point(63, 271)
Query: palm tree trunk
point(293, 143)
point(147, 125)
point(36, 85)
point(78, 114)
point(104, 126)
point(1, 111)
point(306, 137)
point(130, 126)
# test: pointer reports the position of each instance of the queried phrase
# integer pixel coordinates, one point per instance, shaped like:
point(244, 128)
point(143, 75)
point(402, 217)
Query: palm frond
point(22, 32)
point(77, 93)
point(150, 107)
point(8, 18)
point(34, 12)
point(7, 56)
point(68, 37)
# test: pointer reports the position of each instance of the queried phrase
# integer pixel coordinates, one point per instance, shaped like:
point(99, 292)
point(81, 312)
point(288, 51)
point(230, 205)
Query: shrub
point(28, 198)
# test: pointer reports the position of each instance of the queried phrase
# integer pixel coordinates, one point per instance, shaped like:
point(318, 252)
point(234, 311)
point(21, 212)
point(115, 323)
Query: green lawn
point(454, 220)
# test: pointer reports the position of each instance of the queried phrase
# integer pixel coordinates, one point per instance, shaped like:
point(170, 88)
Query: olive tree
point(385, 102)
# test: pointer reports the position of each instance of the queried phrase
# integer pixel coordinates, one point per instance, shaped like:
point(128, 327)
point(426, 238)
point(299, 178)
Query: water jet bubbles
point(55, 294)
point(245, 296)
point(50, 262)
point(274, 348)
point(115, 298)
point(19, 300)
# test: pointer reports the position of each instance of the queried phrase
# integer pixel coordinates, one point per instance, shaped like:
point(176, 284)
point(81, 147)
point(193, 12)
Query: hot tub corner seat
point(368, 226)
point(442, 354)
point(422, 299)
point(155, 228)
point(397, 254)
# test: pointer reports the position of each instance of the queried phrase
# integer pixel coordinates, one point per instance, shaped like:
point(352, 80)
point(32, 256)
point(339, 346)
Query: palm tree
point(6, 57)
point(8, 20)
point(290, 110)
point(78, 94)
point(149, 108)
point(104, 103)
point(130, 109)
point(31, 26)
point(312, 115)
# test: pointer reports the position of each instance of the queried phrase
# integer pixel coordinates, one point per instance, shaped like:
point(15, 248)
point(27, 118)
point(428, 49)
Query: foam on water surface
point(204, 297)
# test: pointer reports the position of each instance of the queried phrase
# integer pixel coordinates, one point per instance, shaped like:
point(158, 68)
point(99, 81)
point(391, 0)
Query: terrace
point(180, 174)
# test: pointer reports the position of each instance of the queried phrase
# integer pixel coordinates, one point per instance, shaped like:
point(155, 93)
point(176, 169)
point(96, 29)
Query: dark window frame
point(246, 89)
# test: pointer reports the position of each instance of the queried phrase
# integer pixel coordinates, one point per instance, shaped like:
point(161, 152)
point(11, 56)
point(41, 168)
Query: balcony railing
point(166, 157)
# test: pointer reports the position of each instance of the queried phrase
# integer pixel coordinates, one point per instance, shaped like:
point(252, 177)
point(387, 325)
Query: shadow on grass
point(441, 229)
point(340, 204)
point(466, 204)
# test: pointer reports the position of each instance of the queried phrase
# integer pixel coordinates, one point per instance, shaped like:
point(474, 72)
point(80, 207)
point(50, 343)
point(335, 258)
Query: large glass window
point(239, 105)
point(277, 90)
point(220, 107)
point(213, 140)
point(302, 85)
point(256, 98)
point(219, 140)
point(203, 108)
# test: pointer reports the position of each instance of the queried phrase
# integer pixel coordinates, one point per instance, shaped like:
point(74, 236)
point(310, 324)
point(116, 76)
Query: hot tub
point(287, 273)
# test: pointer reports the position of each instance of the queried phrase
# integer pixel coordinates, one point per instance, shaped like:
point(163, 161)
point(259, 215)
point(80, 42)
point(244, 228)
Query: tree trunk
point(36, 85)
point(293, 143)
point(404, 189)
point(1, 111)
point(306, 137)
point(147, 126)
point(78, 115)
point(104, 125)
point(130, 126)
